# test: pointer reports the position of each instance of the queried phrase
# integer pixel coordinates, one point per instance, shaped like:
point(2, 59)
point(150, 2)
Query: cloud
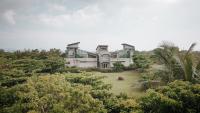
point(143, 23)
point(87, 16)
point(58, 20)
point(155, 18)
point(167, 1)
point(56, 7)
point(9, 17)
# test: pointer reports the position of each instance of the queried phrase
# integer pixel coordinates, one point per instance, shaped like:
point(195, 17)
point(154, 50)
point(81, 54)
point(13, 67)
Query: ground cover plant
point(34, 81)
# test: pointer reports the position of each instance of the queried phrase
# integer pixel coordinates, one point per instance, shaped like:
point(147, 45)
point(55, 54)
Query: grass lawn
point(129, 85)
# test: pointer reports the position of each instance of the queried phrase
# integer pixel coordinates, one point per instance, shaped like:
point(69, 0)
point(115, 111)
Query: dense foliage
point(15, 67)
point(177, 97)
point(141, 61)
point(36, 82)
point(118, 66)
point(179, 64)
point(50, 94)
point(63, 93)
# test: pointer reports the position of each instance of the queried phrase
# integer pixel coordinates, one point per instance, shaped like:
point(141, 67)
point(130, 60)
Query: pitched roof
point(73, 43)
point(101, 46)
point(127, 44)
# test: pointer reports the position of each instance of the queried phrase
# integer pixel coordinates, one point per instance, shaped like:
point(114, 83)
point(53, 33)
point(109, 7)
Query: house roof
point(101, 46)
point(73, 43)
point(128, 44)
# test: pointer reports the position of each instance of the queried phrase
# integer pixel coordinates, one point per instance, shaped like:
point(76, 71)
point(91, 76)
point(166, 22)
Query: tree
point(187, 64)
point(176, 97)
point(52, 94)
point(180, 65)
point(53, 65)
point(141, 61)
point(118, 66)
point(165, 53)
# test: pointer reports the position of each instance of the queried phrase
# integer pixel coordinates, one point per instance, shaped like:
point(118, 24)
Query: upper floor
point(102, 52)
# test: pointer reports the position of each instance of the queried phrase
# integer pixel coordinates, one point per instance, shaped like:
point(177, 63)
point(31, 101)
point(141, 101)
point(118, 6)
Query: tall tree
point(187, 64)
point(178, 63)
point(165, 53)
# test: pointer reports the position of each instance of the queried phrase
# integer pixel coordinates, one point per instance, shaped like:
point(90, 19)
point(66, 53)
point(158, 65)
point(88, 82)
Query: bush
point(141, 62)
point(106, 70)
point(98, 69)
point(71, 70)
point(89, 69)
point(118, 67)
point(53, 65)
point(49, 94)
point(177, 97)
point(144, 85)
point(130, 67)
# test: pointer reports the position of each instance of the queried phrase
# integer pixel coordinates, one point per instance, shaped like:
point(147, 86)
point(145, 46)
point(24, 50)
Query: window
point(104, 65)
point(71, 53)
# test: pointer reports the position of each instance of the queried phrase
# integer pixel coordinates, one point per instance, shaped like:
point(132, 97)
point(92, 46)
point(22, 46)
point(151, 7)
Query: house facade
point(102, 58)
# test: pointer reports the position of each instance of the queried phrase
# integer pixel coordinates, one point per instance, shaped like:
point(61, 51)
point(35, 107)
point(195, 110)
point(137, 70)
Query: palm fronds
point(171, 56)
point(186, 63)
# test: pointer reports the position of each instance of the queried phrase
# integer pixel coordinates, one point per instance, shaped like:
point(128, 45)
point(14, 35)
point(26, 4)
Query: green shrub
point(53, 65)
point(49, 94)
point(130, 67)
point(106, 70)
point(198, 67)
point(141, 62)
point(89, 69)
point(177, 97)
point(98, 70)
point(118, 67)
point(72, 70)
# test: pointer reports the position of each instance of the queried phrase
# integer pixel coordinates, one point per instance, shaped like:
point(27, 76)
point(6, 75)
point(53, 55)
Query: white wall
point(82, 62)
point(92, 62)
point(125, 61)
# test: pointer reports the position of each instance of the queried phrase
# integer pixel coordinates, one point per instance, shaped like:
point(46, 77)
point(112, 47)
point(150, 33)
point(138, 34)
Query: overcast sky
point(45, 24)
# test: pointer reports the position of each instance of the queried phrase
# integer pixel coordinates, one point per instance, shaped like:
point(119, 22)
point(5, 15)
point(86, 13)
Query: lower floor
point(105, 65)
point(94, 63)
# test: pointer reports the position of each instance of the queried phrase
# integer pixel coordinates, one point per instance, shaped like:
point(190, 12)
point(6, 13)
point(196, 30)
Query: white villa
point(102, 58)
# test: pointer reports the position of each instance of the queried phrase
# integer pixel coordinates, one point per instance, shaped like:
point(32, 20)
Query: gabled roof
point(73, 44)
point(127, 44)
point(101, 46)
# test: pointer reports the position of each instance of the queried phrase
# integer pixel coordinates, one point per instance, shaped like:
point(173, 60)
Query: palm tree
point(174, 60)
point(187, 64)
point(165, 53)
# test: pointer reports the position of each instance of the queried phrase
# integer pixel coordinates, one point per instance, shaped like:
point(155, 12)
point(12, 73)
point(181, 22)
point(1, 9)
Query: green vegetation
point(34, 81)
point(141, 62)
point(179, 64)
point(130, 85)
point(59, 93)
point(176, 97)
point(118, 66)
point(179, 76)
